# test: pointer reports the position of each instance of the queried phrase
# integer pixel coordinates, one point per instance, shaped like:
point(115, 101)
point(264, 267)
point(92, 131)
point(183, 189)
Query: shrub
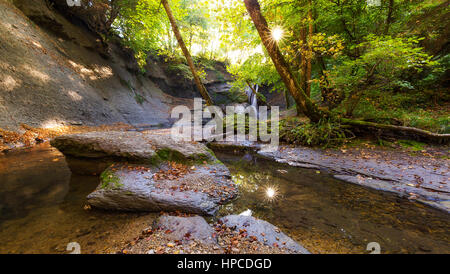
point(325, 133)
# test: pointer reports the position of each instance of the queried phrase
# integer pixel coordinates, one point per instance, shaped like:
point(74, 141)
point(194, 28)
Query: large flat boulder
point(187, 228)
point(197, 188)
point(262, 231)
point(130, 145)
point(176, 235)
point(166, 175)
point(187, 235)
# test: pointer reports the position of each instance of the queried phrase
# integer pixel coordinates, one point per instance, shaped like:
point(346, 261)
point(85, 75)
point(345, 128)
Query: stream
point(43, 208)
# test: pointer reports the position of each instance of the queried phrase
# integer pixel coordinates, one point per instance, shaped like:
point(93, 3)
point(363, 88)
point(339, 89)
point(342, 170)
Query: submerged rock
point(263, 231)
point(146, 147)
point(198, 189)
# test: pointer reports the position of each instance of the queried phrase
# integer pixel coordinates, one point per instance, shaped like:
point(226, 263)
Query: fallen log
point(409, 132)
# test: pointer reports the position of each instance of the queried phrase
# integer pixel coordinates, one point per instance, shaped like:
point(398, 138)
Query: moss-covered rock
point(152, 147)
point(198, 189)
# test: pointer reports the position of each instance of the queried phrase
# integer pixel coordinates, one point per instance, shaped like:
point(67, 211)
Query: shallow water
point(42, 208)
point(330, 216)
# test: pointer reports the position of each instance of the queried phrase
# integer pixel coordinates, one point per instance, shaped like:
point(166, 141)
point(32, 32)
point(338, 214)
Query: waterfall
point(252, 98)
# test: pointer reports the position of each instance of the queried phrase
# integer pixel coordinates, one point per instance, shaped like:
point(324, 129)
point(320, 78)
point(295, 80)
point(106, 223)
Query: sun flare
point(270, 193)
point(277, 33)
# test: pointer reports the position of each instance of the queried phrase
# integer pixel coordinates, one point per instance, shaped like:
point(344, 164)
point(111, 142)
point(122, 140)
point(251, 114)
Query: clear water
point(42, 206)
point(42, 201)
point(330, 216)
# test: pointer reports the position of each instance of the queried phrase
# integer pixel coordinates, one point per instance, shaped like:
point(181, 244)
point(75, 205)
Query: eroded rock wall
point(55, 72)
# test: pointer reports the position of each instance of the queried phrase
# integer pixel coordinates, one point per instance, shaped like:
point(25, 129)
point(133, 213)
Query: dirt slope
point(52, 72)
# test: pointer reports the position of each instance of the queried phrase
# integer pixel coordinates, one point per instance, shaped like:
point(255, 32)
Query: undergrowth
point(325, 133)
point(413, 109)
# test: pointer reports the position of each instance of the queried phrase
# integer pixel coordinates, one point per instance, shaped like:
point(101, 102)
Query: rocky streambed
point(421, 176)
point(150, 172)
point(233, 234)
point(132, 192)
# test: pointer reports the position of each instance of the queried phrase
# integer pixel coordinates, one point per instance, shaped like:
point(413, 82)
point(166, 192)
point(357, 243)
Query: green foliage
point(110, 180)
point(407, 108)
point(181, 69)
point(370, 59)
point(144, 27)
point(434, 76)
point(140, 25)
point(204, 62)
point(326, 133)
point(382, 62)
point(256, 70)
point(410, 144)
point(139, 99)
point(237, 95)
point(127, 84)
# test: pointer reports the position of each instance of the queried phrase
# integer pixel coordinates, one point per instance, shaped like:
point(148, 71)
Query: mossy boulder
point(150, 147)
point(169, 187)
point(152, 172)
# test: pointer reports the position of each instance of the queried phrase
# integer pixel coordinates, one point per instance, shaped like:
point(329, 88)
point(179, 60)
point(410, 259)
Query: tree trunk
point(331, 97)
point(186, 53)
point(308, 59)
point(305, 54)
point(252, 89)
point(286, 97)
point(114, 12)
point(353, 100)
point(303, 102)
point(389, 18)
point(303, 49)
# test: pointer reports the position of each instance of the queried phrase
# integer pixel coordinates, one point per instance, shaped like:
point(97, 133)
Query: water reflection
point(271, 193)
point(330, 216)
point(43, 202)
point(45, 182)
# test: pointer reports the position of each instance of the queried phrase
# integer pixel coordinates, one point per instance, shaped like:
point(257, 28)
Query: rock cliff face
point(54, 71)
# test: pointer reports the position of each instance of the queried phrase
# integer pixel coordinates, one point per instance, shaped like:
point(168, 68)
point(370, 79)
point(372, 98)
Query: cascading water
point(252, 98)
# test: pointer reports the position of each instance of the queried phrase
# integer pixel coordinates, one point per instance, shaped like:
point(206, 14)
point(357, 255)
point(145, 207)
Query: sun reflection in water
point(271, 193)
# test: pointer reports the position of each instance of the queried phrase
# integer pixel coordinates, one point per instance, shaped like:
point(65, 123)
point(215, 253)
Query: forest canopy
point(384, 61)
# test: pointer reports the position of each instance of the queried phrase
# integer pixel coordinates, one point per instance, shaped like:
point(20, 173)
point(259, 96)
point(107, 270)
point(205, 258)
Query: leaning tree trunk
point(186, 53)
point(303, 102)
point(307, 106)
